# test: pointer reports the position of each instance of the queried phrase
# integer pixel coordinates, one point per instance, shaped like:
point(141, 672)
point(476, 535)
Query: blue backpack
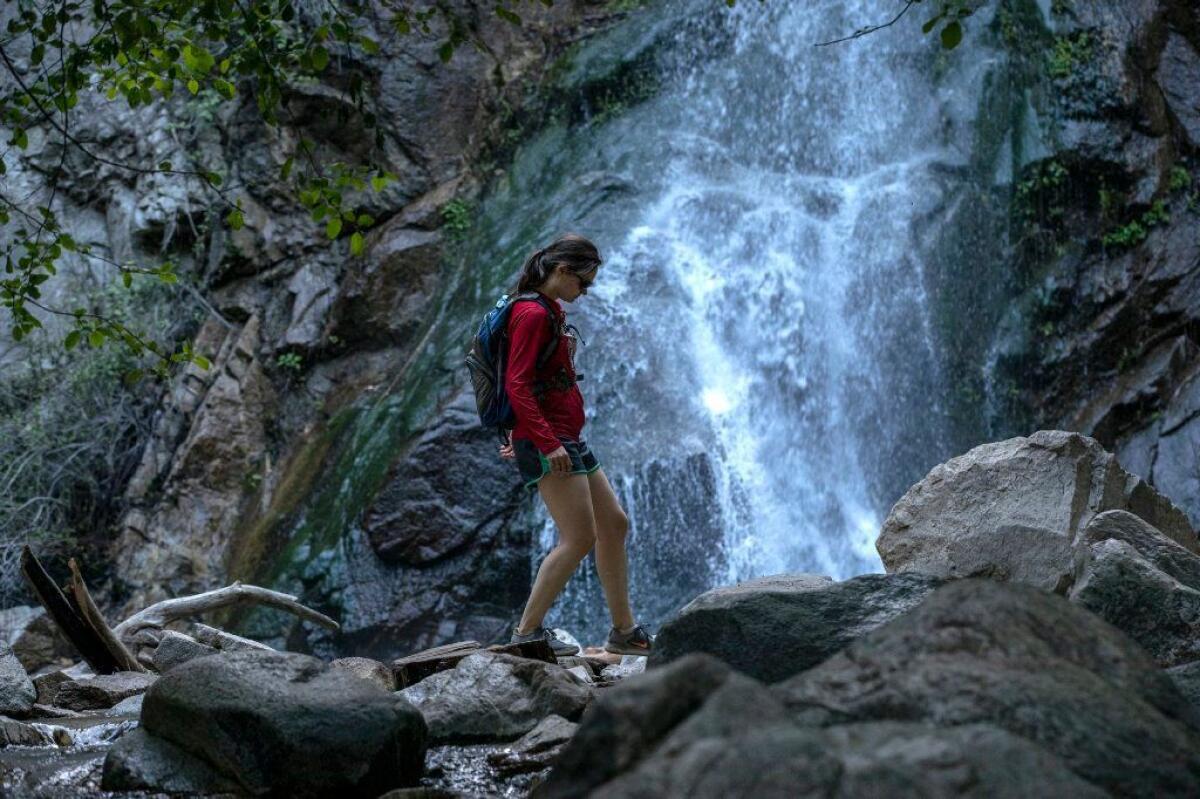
point(485, 360)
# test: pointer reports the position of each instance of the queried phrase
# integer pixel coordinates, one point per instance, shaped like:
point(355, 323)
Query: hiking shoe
point(635, 642)
point(559, 647)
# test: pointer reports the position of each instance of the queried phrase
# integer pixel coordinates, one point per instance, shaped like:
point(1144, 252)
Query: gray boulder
point(288, 725)
point(981, 652)
point(1143, 583)
point(17, 693)
point(1187, 681)
point(880, 759)
point(176, 648)
point(774, 627)
point(536, 749)
point(17, 733)
point(1013, 510)
point(34, 638)
point(102, 691)
point(490, 696)
point(140, 761)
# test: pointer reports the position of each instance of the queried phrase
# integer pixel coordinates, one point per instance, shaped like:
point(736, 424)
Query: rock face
point(287, 724)
point(1014, 510)
point(17, 693)
point(945, 700)
point(774, 627)
point(495, 697)
point(33, 637)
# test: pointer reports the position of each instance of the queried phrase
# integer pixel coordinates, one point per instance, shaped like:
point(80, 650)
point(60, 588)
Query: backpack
point(485, 360)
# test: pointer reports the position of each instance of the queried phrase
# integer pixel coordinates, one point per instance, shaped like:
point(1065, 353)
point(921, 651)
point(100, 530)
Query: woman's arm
point(528, 335)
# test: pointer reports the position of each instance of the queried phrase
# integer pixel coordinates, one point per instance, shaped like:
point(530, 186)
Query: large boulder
point(17, 693)
point(490, 696)
point(140, 761)
point(774, 627)
point(981, 652)
point(1014, 510)
point(1142, 582)
point(34, 638)
point(285, 724)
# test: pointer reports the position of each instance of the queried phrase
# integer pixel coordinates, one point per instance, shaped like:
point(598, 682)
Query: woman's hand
point(560, 461)
point(506, 449)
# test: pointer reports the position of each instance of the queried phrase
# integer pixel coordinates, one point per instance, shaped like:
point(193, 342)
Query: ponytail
point(572, 251)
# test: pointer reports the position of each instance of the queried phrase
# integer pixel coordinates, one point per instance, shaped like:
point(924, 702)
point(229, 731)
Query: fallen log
point(69, 617)
point(411, 669)
point(87, 609)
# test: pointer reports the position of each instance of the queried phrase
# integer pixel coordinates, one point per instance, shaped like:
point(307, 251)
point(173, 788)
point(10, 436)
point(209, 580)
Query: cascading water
point(762, 372)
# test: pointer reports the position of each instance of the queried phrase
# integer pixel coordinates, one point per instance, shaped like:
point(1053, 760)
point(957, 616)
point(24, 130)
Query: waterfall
point(762, 371)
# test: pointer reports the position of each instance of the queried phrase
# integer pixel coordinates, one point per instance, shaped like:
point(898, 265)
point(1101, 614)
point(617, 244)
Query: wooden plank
point(65, 615)
point(86, 607)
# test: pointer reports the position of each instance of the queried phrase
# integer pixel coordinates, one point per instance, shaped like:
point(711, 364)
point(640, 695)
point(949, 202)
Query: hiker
point(540, 382)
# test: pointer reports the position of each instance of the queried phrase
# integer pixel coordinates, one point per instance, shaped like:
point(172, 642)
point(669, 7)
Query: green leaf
point(368, 44)
point(507, 15)
point(333, 227)
point(193, 86)
point(127, 279)
point(167, 277)
point(446, 51)
point(378, 182)
point(96, 338)
point(201, 361)
point(235, 219)
point(165, 166)
point(320, 58)
point(932, 22)
point(72, 340)
point(951, 35)
point(20, 139)
point(356, 243)
point(225, 88)
point(286, 170)
point(37, 54)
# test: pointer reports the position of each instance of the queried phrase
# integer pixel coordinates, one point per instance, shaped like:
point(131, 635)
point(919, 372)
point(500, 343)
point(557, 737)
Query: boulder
point(1013, 510)
point(885, 759)
point(1142, 582)
point(139, 761)
point(981, 652)
point(366, 669)
point(176, 648)
point(285, 724)
point(536, 749)
point(1187, 680)
point(17, 733)
point(47, 685)
point(490, 696)
point(129, 706)
point(626, 723)
point(102, 691)
point(17, 693)
point(774, 627)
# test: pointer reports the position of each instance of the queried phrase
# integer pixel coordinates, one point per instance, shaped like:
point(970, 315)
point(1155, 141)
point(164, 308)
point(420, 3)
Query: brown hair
point(572, 251)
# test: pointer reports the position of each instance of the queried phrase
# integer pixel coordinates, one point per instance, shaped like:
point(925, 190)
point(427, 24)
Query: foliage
point(70, 435)
point(290, 361)
point(1178, 180)
point(1136, 231)
point(456, 217)
point(1030, 193)
point(1067, 52)
point(142, 52)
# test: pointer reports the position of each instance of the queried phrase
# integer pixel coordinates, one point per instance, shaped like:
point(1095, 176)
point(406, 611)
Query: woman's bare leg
point(569, 500)
point(612, 525)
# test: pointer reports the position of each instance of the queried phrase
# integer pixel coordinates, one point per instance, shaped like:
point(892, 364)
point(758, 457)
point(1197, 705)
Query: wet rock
point(1177, 75)
point(129, 706)
point(140, 761)
point(628, 666)
point(370, 670)
point(491, 696)
point(536, 749)
point(1013, 510)
point(981, 652)
point(1187, 680)
point(176, 648)
point(1143, 583)
point(774, 627)
point(288, 724)
point(17, 693)
point(47, 685)
point(34, 638)
point(102, 691)
point(16, 733)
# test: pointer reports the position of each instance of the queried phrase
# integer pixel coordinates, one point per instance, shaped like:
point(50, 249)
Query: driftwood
point(219, 639)
point(161, 613)
point(70, 617)
point(411, 669)
point(86, 607)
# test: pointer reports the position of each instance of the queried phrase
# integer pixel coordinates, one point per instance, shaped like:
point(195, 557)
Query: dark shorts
point(533, 466)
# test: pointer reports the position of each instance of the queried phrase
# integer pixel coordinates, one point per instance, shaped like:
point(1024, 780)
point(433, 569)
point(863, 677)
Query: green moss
point(1136, 231)
point(1178, 180)
point(1067, 52)
point(456, 218)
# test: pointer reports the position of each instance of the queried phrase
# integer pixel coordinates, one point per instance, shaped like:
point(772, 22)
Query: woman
point(541, 387)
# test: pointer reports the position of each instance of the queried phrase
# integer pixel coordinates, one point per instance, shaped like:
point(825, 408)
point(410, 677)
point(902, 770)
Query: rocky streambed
point(1035, 634)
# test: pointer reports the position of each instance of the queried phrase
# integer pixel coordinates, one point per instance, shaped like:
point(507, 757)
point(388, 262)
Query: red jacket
point(558, 412)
